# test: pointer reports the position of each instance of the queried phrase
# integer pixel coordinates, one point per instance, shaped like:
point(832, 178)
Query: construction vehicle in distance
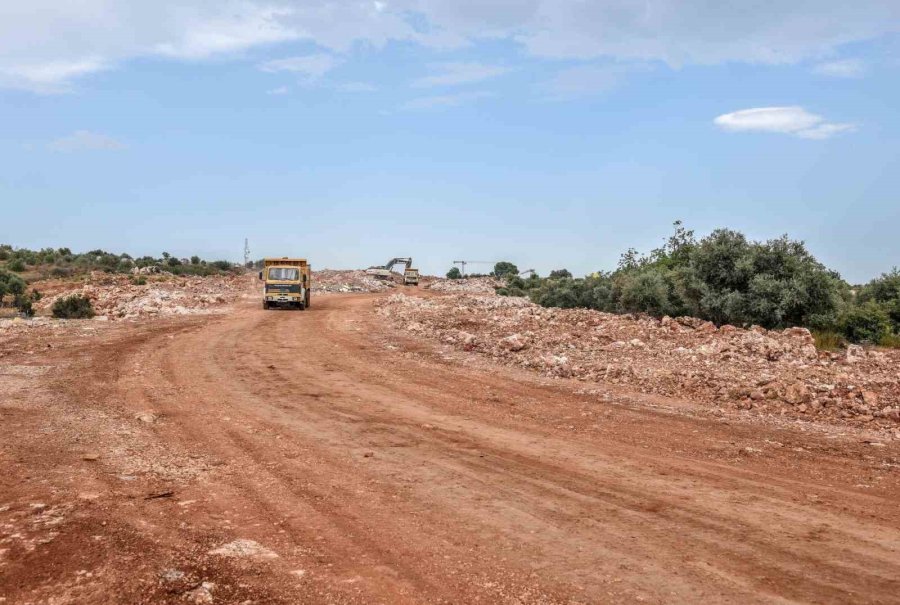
point(287, 283)
point(411, 277)
point(384, 271)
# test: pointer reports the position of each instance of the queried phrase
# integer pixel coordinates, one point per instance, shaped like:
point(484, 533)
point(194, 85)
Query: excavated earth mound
point(767, 371)
point(330, 280)
point(470, 285)
point(116, 296)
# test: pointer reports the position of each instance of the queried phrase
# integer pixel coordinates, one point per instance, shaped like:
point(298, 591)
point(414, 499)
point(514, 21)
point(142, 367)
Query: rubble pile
point(330, 280)
point(469, 285)
point(119, 297)
point(766, 371)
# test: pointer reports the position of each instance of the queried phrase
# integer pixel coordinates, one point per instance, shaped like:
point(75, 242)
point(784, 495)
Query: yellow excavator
point(384, 271)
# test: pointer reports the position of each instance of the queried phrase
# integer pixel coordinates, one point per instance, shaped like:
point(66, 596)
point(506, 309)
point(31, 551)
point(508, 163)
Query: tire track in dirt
point(386, 474)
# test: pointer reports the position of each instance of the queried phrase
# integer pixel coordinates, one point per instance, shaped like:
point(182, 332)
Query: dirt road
point(288, 457)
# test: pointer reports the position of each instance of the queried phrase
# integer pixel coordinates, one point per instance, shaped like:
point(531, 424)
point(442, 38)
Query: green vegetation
point(73, 307)
point(727, 279)
point(560, 274)
point(504, 269)
point(62, 263)
point(828, 340)
point(454, 273)
point(18, 266)
point(10, 285)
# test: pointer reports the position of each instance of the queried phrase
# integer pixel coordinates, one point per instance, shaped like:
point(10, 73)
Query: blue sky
point(551, 133)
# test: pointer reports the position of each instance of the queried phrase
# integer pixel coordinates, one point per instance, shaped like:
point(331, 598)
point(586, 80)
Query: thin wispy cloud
point(794, 121)
point(281, 90)
point(85, 140)
point(244, 26)
point(458, 73)
point(445, 101)
point(846, 68)
point(52, 77)
point(312, 66)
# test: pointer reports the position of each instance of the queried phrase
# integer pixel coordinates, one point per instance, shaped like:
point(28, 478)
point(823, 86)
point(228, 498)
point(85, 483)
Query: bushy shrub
point(866, 322)
point(10, 284)
point(648, 292)
point(885, 291)
point(16, 265)
point(73, 307)
point(454, 273)
point(560, 274)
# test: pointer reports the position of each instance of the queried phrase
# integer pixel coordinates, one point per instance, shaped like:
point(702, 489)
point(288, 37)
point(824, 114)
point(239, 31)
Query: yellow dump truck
point(411, 277)
point(287, 283)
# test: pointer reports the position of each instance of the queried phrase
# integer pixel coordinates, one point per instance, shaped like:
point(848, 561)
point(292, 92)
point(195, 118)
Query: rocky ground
point(117, 296)
point(473, 285)
point(766, 372)
point(336, 456)
point(344, 281)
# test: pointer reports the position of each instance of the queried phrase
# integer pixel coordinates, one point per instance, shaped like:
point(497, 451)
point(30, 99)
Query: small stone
point(870, 398)
point(91, 457)
point(244, 548)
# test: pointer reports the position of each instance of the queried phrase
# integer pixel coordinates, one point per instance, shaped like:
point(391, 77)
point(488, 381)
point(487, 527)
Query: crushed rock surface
point(115, 296)
point(469, 285)
point(767, 371)
point(331, 280)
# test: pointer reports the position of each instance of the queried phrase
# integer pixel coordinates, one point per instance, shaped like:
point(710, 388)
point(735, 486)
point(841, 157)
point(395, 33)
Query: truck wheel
point(307, 300)
point(265, 305)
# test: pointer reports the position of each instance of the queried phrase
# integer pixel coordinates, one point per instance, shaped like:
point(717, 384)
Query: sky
point(552, 133)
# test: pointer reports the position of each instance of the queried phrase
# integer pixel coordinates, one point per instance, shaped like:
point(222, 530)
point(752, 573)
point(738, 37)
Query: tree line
point(728, 279)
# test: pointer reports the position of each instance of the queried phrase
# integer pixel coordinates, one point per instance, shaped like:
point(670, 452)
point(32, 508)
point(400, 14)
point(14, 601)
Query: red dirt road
point(370, 469)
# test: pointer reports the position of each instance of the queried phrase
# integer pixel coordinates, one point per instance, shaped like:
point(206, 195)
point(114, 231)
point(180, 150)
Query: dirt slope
point(315, 457)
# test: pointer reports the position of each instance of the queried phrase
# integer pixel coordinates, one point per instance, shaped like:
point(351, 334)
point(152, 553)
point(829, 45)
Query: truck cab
point(286, 283)
point(411, 277)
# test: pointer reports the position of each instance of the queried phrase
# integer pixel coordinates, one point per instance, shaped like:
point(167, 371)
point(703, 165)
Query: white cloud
point(281, 90)
point(46, 45)
point(846, 68)
point(49, 77)
point(443, 101)
point(85, 140)
point(454, 74)
point(311, 66)
point(785, 120)
point(205, 36)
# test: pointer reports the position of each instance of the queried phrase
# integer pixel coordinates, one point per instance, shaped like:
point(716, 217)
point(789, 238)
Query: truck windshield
point(284, 273)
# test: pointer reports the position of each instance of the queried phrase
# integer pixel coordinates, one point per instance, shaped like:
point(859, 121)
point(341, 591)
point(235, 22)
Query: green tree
point(454, 273)
point(504, 268)
point(560, 274)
